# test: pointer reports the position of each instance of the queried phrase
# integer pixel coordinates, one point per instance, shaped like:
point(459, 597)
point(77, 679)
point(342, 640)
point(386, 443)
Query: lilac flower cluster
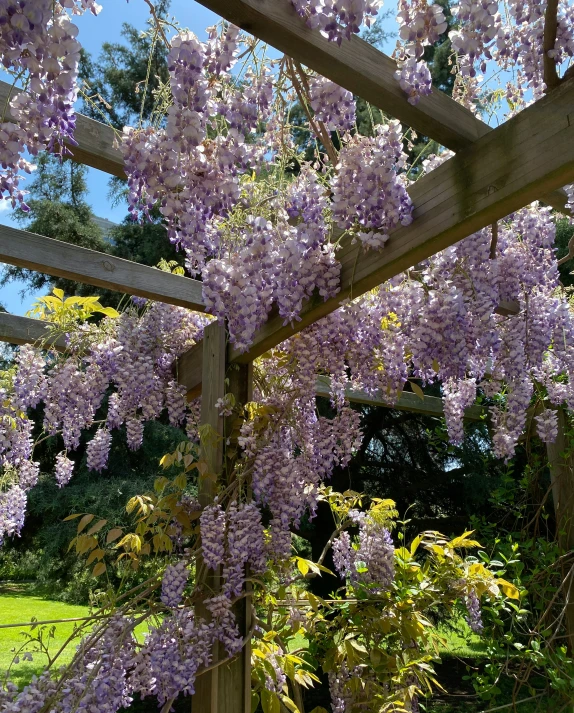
point(278, 263)
point(340, 20)
point(12, 511)
point(173, 583)
point(332, 104)
point(474, 618)
point(98, 450)
point(193, 179)
point(547, 425)
point(133, 354)
point(414, 79)
point(212, 526)
point(245, 546)
point(420, 24)
point(64, 469)
point(372, 561)
point(369, 194)
point(38, 40)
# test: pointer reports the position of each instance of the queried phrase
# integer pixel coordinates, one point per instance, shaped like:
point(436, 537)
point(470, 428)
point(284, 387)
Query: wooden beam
point(506, 169)
point(60, 259)
point(429, 406)
point(226, 688)
point(23, 330)
point(96, 141)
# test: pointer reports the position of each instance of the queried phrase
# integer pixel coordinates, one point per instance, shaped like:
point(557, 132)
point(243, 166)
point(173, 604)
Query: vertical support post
point(562, 481)
point(226, 688)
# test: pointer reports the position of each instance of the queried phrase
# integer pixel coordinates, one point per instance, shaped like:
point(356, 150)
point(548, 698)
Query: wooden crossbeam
point(531, 154)
point(22, 330)
point(96, 145)
point(429, 406)
point(60, 259)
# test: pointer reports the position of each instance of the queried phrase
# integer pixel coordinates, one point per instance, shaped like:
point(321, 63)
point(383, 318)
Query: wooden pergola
point(494, 172)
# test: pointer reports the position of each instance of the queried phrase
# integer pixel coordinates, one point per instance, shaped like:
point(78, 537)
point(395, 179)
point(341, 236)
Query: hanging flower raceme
point(337, 21)
point(38, 41)
point(369, 193)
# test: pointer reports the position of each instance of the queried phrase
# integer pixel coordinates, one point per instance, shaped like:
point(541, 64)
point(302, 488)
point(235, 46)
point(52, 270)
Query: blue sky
point(94, 31)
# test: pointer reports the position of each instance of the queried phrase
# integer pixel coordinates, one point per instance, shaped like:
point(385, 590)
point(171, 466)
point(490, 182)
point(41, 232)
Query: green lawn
point(17, 605)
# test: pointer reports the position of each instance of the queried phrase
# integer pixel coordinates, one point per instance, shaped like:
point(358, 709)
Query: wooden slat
point(506, 169)
point(429, 406)
point(95, 140)
point(60, 259)
point(23, 330)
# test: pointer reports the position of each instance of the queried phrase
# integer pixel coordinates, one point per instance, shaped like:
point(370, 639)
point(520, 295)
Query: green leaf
point(97, 527)
point(270, 702)
point(417, 390)
point(254, 701)
point(100, 568)
point(288, 703)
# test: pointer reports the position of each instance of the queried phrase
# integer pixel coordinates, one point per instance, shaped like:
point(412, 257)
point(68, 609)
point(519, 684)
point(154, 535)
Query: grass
point(19, 605)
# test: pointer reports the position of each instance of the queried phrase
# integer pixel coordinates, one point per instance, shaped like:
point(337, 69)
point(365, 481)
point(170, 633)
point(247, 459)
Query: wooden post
point(227, 688)
point(562, 481)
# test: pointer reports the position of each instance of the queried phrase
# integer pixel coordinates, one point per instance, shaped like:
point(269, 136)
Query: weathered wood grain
point(226, 688)
point(23, 330)
point(60, 259)
point(96, 140)
point(503, 171)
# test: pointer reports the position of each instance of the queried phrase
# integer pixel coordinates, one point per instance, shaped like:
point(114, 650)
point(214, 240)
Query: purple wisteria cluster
point(337, 20)
point(420, 24)
point(192, 178)
point(332, 104)
point(372, 560)
point(38, 42)
point(110, 667)
point(295, 459)
point(474, 618)
point(440, 323)
point(130, 360)
point(369, 192)
point(233, 539)
point(276, 263)
point(173, 583)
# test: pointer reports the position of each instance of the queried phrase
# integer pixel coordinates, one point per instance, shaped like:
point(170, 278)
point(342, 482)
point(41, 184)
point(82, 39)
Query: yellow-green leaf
point(302, 566)
point(508, 588)
point(84, 522)
point(97, 527)
point(100, 568)
point(417, 390)
point(109, 312)
point(72, 517)
point(113, 535)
